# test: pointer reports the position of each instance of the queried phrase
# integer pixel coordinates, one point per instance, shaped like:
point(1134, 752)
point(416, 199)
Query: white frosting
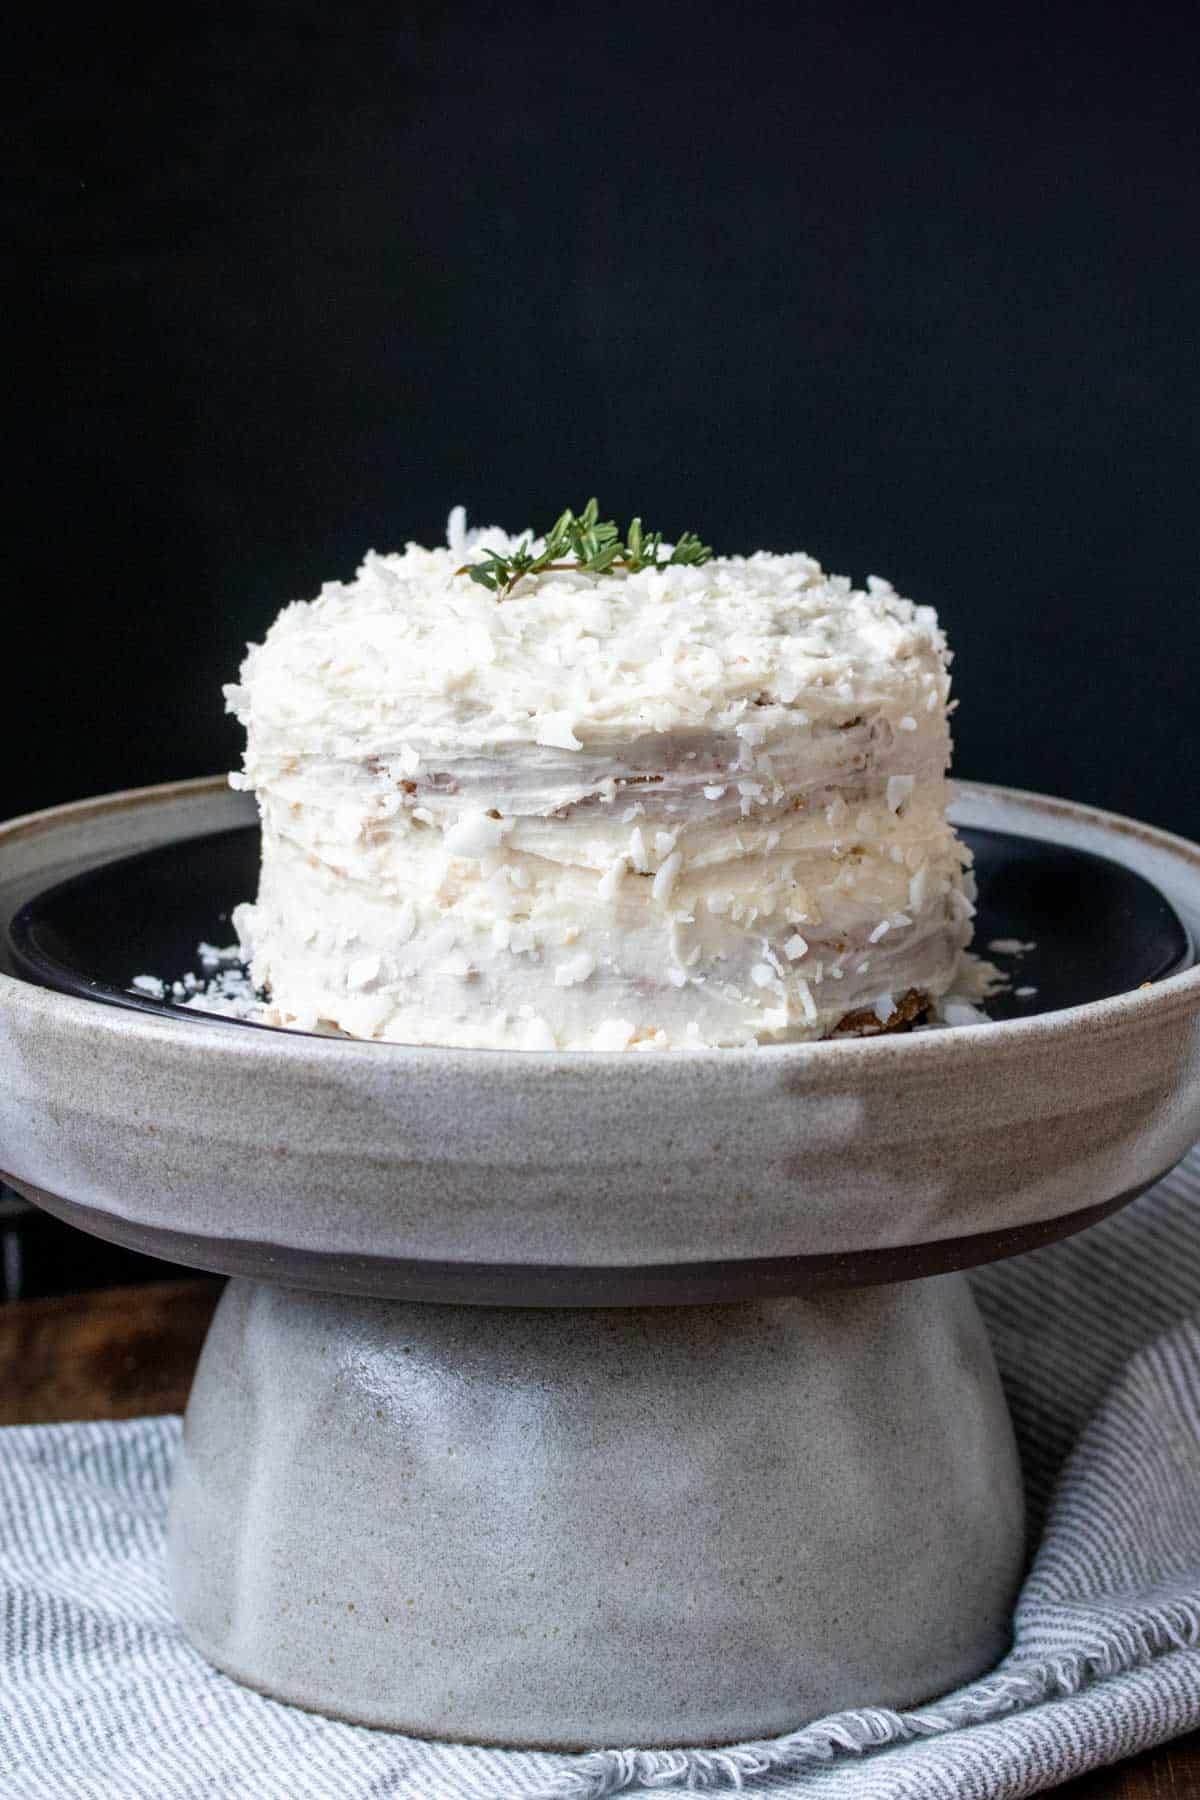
point(677, 808)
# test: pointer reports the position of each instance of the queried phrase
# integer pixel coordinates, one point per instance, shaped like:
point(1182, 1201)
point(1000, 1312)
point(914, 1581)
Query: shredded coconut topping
point(566, 819)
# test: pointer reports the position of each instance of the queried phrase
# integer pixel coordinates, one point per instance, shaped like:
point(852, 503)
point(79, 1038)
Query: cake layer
point(683, 807)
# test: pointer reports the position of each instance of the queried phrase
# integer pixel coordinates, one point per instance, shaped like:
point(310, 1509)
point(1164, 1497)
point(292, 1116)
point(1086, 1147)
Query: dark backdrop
point(915, 292)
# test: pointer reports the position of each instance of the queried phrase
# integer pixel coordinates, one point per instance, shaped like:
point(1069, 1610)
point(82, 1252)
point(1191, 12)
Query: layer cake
point(651, 809)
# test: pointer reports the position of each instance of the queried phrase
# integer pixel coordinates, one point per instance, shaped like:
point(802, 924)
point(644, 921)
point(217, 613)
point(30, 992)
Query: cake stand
point(574, 1400)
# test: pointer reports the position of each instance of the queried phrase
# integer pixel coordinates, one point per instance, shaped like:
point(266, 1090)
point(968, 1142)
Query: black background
point(915, 291)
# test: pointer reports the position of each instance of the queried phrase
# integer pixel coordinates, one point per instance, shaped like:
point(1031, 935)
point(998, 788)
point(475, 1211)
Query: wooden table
point(123, 1351)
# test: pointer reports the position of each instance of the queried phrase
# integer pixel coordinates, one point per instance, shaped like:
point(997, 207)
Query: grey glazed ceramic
point(684, 1524)
point(626, 1526)
point(319, 1160)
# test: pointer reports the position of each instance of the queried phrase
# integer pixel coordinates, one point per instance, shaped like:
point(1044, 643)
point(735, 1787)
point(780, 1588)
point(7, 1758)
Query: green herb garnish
point(583, 541)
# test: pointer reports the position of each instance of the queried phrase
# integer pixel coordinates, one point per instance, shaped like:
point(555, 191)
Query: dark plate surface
point(1098, 929)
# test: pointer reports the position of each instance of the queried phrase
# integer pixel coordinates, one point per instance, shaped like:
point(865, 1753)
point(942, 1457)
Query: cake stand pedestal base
point(668, 1525)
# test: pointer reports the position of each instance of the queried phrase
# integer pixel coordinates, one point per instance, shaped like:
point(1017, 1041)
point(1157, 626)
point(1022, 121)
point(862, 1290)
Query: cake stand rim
point(592, 1161)
point(548, 1286)
point(1182, 986)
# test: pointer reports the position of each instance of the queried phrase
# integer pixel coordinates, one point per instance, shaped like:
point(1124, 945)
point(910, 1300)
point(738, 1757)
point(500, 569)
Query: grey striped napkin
point(1099, 1341)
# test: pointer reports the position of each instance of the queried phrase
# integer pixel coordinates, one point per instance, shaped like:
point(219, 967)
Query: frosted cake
point(632, 808)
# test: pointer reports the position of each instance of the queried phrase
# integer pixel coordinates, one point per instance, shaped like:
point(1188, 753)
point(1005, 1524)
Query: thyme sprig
point(584, 541)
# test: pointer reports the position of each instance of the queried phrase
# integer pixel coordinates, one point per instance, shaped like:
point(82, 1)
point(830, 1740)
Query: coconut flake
point(474, 834)
point(362, 972)
point(574, 970)
point(537, 1035)
point(918, 889)
point(456, 531)
point(556, 731)
point(610, 881)
point(613, 1034)
point(808, 1005)
point(664, 881)
point(961, 1012)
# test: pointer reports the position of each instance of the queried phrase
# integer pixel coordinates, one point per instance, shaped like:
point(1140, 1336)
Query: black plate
point(1098, 928)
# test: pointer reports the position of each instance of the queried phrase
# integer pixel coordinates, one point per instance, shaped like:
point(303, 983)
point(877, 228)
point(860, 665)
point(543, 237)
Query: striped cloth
point(1099, 1342)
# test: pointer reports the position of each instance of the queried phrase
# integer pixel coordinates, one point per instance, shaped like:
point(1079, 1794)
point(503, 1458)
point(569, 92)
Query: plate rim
point(1174, 992)
point(583, 1158)
point(62, 978)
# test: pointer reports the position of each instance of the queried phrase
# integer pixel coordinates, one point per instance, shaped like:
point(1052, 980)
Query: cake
point(655, 808)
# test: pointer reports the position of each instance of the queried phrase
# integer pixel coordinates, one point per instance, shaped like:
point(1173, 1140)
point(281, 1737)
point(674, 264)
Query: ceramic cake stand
point(573, 1400)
